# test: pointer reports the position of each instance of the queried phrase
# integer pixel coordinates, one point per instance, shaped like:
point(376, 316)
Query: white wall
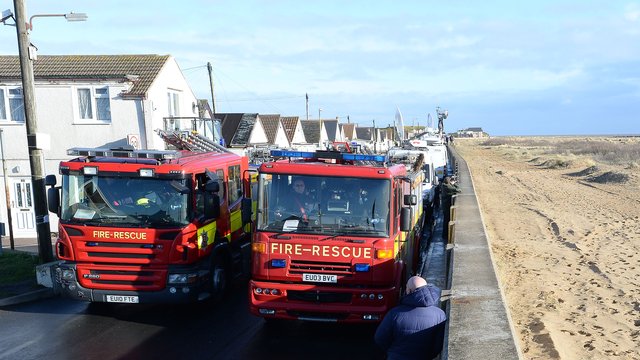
point(169, 78)
point(298, 135)
point(281, 140)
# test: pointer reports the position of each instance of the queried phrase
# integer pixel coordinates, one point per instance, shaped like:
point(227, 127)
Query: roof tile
point(145, 67)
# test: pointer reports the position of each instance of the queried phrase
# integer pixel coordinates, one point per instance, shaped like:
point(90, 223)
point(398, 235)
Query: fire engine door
point(22, 213)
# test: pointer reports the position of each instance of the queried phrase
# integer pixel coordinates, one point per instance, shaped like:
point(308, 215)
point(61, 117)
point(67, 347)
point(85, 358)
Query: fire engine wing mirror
point(410, 200)
point(211, 205)
point(405, 219)
point(247, 209)
point(53, 194)
point(50, 180)
point(53, 200)
point(212, 186)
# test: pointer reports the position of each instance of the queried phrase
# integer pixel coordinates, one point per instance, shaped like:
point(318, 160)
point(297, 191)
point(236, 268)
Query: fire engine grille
point(120, 255)
point(319, 296)
point(122, 278)
point(318, 267)
point(123, 252)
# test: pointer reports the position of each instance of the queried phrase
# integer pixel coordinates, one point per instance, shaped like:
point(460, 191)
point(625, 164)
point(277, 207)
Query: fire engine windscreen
point(321, 204)
point(122, 201)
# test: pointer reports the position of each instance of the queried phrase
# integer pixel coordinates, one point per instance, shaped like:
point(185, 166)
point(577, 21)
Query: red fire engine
point(336, 236)
point(148, 226)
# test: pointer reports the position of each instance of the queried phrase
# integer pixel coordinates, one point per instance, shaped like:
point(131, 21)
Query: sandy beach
point(563, 220)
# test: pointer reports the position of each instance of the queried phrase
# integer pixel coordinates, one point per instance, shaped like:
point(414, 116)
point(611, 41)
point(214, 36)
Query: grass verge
point(17, 273)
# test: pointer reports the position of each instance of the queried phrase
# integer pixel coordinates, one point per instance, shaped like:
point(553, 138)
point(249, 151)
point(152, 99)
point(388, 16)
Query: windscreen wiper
point(345, 240)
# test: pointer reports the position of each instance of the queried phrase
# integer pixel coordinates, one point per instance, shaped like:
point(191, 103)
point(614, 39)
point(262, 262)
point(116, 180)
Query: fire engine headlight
point(181, 278)
point(278, 263)
point(68, 274)
point(258, 291)
point(362, 267)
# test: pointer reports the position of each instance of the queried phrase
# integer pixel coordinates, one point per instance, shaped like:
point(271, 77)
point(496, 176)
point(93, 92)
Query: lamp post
point(320, 128)
point(35, 152)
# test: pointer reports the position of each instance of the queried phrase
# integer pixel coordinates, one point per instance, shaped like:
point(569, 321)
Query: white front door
point(22, 214)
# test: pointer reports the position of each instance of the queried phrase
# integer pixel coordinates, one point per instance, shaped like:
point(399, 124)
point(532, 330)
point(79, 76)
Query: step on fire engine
point(144, 226)
point(337, 235)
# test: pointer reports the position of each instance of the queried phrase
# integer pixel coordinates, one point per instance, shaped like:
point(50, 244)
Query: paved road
point(61, 328)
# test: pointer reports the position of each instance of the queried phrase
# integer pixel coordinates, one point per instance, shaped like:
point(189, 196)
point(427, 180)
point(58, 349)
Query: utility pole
point(320, 129)
point(213, 99)
point(35, 153)
point(6, 192)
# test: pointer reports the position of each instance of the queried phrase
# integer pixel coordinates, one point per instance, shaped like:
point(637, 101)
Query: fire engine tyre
point(220, 277)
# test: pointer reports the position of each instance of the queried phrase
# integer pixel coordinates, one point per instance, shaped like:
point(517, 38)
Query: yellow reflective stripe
point(236, 220)
point(396, 244)
point(206, 235)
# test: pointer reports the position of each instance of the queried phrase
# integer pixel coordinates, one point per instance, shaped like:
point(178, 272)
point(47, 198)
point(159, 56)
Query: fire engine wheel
point(219, 277)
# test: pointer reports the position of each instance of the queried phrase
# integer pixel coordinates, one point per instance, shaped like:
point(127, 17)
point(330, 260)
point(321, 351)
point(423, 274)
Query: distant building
point(472, 132)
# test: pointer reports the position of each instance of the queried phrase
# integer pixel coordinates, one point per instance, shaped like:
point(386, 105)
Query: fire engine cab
point(337, 234)
point(142, 226)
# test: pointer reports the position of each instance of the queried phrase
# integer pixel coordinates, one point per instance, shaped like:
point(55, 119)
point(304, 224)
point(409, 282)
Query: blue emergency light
point(278, 263)
point(292, 153)
point(362, 267)
point(364, 157)
point(328, 155)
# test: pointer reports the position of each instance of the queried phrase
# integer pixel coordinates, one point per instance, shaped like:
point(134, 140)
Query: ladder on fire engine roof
point(191, 141)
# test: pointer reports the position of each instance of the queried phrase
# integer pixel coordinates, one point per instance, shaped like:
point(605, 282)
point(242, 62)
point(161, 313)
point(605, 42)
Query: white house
point(87, 101)
point(275, 131)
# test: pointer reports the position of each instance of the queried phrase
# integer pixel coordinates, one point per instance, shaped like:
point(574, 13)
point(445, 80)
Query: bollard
point(450, 234)
point(453, 199)
point(452, 213)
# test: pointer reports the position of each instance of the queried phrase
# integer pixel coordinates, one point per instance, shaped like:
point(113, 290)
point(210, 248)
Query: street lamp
point(35, 151)
point(70, 17)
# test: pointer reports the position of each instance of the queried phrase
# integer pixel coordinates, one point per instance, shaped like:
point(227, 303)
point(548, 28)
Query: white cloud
point(632, 12)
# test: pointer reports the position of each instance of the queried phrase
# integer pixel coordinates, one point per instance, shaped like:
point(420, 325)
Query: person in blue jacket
point(415, 328)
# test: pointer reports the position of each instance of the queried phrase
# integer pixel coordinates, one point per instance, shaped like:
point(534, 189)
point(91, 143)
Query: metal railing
point(205, 127)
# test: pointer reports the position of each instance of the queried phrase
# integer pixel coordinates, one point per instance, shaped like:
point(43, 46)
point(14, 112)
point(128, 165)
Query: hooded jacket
point(415, 328)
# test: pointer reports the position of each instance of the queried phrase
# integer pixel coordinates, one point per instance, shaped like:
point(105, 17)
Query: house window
point(173, 99)
point(94, 104)
point(12, 104)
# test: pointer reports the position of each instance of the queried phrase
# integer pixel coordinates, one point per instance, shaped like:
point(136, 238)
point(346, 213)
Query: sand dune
point(566, 247)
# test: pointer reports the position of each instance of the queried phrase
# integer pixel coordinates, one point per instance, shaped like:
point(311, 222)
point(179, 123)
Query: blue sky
point(512, 68)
